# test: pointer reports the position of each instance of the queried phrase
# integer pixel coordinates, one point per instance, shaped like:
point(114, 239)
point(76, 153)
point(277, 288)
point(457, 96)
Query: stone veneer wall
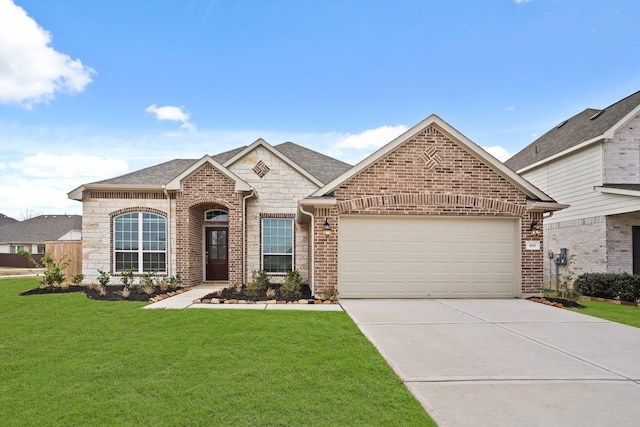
point(96, 227)
point(427, 175)
point(279, 187)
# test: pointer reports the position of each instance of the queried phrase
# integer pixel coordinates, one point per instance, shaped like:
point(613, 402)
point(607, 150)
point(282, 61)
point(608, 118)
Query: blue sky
point(93, 89)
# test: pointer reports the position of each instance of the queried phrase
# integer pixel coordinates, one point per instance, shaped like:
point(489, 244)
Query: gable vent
point(261, 169)
point(596, 115)
point(562, 124)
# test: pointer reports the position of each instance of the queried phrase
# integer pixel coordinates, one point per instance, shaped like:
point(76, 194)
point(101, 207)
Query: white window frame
point(140, 250)
point(293, 246)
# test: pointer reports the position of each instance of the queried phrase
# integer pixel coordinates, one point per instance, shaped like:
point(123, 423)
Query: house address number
point(532, 245)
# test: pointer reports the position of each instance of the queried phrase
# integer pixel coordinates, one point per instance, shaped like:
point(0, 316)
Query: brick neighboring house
point(592, 162)
point(31, 234)
point(430, 214)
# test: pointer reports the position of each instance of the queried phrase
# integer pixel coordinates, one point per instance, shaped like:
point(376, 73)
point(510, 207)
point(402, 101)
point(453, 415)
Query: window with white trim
point(140, 242)
point(16, 248)
point(277, 245)
point(216, 215)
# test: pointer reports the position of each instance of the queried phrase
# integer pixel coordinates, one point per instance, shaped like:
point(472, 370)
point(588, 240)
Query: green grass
point(627, 315)
point(68, 360)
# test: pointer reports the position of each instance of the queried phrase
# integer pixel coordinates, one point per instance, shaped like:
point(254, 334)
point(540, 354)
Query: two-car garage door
point(428, 257)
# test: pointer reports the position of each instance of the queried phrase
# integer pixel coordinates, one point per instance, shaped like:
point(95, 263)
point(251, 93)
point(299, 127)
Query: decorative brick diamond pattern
point(261, 169)
point(431, 158)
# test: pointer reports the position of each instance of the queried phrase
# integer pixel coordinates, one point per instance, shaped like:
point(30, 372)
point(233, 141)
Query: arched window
point(216, 215)
point(140, 242)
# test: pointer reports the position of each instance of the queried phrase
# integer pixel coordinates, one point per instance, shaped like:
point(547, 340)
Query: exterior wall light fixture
point(326, 227)
point(535, 228)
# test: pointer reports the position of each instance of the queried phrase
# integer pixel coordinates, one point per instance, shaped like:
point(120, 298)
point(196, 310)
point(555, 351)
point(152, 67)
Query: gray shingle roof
point(579, 128)
point(40, 228)
point(6, 220)
point(323, 168)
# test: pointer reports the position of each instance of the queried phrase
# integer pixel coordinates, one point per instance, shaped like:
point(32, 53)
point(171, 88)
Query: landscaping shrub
point(627, 287)
point(259, 282)
point(291, 285)
point(624, 286)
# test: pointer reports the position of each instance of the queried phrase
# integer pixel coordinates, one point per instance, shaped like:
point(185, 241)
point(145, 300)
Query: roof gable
point(469, 146)
point(176, 183)
point(588, 126)
point(262, 143)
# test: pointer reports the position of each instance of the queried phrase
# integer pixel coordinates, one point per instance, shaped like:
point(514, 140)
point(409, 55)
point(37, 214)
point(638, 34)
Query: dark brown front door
point(635, 235)
point(217, 241)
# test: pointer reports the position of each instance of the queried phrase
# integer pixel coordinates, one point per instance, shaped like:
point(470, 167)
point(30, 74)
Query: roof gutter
point(312, 202)
point(538, 206)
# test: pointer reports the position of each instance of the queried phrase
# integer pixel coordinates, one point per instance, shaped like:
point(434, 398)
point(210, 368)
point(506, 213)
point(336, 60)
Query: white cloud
point(41, 182)
point(498, 152)
point(521, 1)
point(31, 71)
point(172, 113)
point(511, 108)
point(371, 138)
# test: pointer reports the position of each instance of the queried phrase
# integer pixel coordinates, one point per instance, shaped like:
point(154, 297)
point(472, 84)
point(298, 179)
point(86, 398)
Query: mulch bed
point(556, 302)
point(113, 293)
point(232, 296)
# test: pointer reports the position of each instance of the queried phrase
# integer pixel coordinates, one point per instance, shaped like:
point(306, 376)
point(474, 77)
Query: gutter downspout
point(313, 248)
point(244, 235)
point(170, 241)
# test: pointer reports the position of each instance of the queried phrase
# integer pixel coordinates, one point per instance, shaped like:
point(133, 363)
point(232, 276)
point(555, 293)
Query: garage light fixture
point(326, 227)
point(535, 228)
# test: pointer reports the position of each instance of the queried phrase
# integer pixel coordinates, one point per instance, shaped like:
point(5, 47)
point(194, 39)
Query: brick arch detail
point(425, 199)
point(137, 209)
point(209, 201)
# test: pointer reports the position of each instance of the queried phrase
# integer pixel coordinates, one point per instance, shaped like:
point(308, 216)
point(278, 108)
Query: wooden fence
point(18, 261)
point(72, 249)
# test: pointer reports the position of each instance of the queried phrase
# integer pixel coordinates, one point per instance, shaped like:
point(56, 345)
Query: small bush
point(259, 283)
point(127, 277)
point(53, 274)
point(103, 277)
point(77, 279)
point(147, 285)
point(291, 285)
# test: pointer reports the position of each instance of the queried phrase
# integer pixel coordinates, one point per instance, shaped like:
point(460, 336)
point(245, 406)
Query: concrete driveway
point(507, 362)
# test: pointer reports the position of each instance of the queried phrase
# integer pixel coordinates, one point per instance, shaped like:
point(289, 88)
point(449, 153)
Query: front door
point(217, 241)
point(635, 233)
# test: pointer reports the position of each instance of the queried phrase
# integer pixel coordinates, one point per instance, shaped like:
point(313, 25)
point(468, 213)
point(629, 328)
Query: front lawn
point(69, 360)
point(624, 314)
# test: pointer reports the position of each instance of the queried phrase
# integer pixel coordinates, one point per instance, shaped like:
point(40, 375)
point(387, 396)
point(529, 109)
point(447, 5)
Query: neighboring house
point(31, 234)
point(430, 214)
point(592, 162)
point(6, 220)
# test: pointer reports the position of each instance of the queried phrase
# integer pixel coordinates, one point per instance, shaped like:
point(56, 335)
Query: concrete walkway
point(507, 362)
point(186, 300)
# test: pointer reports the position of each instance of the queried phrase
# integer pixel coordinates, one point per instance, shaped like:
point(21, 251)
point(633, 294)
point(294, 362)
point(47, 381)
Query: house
point(31, 234)
point(430, 214)
point(6, 220)
point(590, 161)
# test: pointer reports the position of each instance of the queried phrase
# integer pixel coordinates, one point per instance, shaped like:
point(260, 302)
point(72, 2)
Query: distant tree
point(28, 214)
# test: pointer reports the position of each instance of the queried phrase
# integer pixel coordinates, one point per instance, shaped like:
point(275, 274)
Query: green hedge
point(623, 286)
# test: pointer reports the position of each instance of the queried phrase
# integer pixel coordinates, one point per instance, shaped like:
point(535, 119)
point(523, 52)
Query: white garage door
point(428, 257)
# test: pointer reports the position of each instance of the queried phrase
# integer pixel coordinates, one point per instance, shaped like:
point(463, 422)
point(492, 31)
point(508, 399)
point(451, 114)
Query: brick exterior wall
point(429, 174)
point(585, 240)
point(620, 243)
point(206, 189)
point(622, 155)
